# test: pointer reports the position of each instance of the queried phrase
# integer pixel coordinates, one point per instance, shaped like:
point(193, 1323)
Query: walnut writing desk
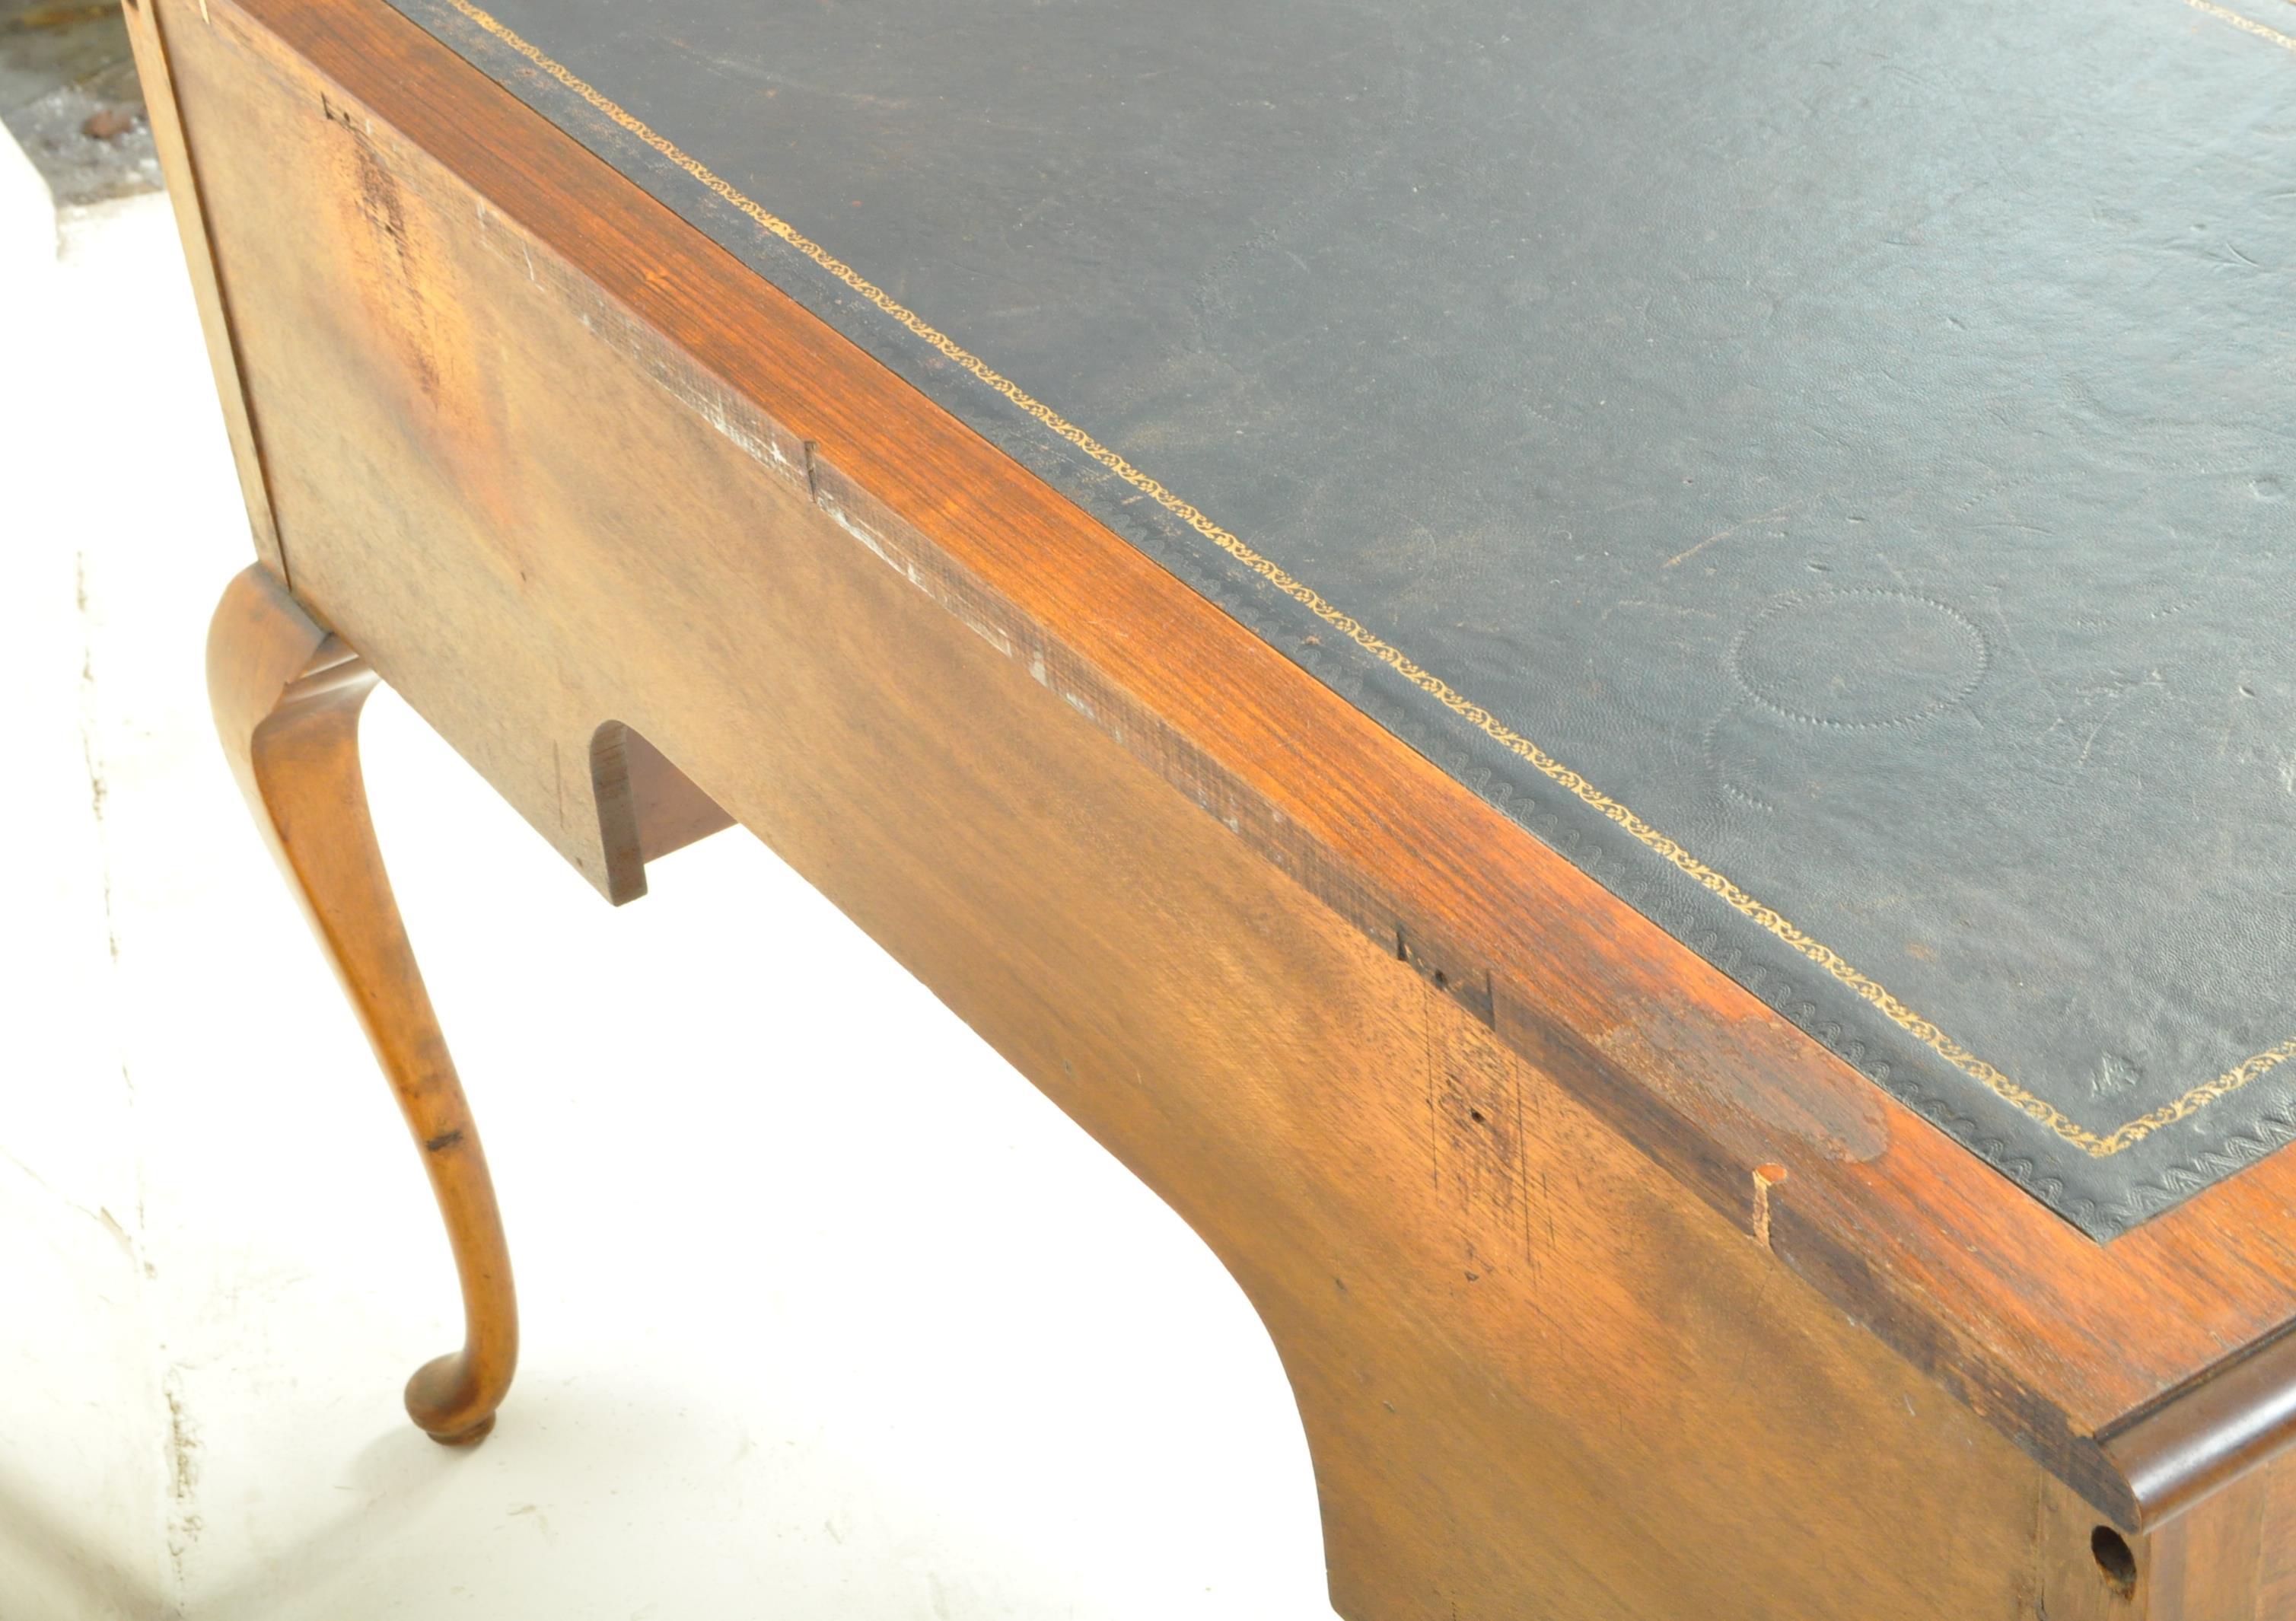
point(1609, 683)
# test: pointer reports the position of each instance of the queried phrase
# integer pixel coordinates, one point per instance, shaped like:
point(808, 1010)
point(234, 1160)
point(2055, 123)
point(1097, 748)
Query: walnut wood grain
point(1534, 1371)
point(514, 544)
point(287, 698)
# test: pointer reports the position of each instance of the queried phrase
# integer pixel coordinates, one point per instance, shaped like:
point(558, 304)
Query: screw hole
point(1476, 1115)
point(1441, 980)
point(2115, 1558)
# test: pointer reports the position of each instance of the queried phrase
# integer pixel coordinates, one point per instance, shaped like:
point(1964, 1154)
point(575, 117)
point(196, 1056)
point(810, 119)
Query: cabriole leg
point(287, 696)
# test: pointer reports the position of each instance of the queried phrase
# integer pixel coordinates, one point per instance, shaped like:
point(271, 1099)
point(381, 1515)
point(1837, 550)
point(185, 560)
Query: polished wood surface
point(287, 699)
point(1603, 1290)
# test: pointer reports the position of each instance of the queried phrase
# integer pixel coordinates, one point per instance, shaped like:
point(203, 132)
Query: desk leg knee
point(287, 696)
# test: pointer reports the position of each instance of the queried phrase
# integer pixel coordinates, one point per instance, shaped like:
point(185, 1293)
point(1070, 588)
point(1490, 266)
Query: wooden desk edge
point(2121, 1367)
point(2235, 1418)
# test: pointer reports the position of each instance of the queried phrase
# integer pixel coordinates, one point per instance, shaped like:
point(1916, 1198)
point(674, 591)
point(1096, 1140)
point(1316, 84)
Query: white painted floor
point(841, 1320)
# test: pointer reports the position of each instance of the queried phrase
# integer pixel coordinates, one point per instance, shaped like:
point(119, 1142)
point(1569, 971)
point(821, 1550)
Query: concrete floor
point(70, 99)
point(843, 1320)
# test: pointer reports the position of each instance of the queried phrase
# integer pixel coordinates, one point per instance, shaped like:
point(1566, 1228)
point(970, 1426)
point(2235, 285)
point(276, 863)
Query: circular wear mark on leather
point(1869, 658)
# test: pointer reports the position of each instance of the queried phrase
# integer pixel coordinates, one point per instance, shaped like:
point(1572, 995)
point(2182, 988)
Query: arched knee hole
point(647, 806)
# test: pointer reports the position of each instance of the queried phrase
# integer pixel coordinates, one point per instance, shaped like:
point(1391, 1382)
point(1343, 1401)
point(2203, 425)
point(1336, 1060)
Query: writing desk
point(1608, 684)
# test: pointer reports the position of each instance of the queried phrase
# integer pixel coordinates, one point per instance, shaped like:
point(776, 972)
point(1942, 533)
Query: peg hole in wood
point(2115, 1558)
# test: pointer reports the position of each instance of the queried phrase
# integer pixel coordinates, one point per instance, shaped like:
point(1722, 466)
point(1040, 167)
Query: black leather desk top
point(1825, 466)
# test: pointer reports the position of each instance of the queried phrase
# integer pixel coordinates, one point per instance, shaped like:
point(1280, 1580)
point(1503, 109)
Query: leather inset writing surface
point(1822, 469)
